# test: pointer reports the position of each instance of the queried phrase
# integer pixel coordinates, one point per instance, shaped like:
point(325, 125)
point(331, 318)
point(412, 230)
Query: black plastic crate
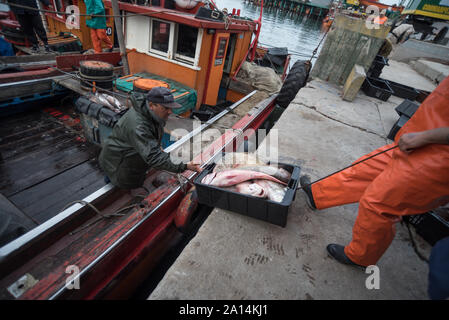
point(376, 67)
point(405, 111)
point(262, 209)
point(202, 115)
point(430, 226)
point(374, 73)
point(407, 108)
point(397, 126)
point(381, 60)
point(422, 95)
point(403, 91)
point(377, 88)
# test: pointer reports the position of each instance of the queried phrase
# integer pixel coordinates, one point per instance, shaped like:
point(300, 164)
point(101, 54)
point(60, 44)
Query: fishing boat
point(76, 236)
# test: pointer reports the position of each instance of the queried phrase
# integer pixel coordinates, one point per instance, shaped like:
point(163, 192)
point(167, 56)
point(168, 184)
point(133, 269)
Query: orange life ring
point(148, 84)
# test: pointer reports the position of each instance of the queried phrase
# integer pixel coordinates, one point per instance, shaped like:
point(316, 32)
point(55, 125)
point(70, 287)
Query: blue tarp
point(5, 48)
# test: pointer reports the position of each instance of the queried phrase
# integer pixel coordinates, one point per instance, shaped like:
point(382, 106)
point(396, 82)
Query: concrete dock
point(238, 257)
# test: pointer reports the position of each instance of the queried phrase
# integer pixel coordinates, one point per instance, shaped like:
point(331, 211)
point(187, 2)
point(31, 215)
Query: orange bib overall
point(392, 184)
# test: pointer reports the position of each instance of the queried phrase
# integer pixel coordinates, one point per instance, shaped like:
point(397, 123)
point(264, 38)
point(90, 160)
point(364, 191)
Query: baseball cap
point(162, 96)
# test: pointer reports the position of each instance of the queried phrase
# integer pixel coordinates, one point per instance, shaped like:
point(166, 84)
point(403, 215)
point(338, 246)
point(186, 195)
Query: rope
point(227, 21)
point(350, 166)
point(182, 180)
point(91, 85)
point(147, 14)
point(321, 41)
point(102, 216)
point(93, 15)
point(415, 247)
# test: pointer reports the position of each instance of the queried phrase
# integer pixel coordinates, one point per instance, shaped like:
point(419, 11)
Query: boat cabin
point(186, 48)
point(183, 42)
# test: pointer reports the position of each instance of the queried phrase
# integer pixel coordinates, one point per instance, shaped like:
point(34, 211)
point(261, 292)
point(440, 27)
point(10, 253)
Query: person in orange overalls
point(382, 18)
point(408, 180)
point(97, 24)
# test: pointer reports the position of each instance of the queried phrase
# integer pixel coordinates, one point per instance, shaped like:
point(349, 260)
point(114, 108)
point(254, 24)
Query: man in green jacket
point(97, 24)
point(134, 145)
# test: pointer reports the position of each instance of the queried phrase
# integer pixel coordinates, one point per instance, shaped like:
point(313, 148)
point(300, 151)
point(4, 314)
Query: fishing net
point(261, 78)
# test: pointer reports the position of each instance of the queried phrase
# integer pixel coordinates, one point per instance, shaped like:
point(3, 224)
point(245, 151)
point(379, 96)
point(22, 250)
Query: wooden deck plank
point(37, 129)
point(16, 176)
point(13, 221)
point(54, 145)
point(35, 143)
point(18, 122)
point(69, 195)
point(10, 208)
point(47, 190)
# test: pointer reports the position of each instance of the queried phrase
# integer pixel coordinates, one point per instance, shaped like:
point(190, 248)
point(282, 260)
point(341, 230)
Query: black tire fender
point(93, 68)
point(296, 79)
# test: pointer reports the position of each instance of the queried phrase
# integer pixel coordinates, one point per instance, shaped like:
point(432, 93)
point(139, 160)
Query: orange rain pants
point(97, 35)
point(392, 184)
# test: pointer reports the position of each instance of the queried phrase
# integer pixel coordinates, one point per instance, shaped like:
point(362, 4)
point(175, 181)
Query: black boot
point(47, 48)
point(337, 252)
point(304, 181)
point(35, 48)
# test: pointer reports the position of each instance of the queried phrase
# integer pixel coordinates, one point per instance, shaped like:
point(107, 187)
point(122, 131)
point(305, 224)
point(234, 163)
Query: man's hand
point(194, 167)
point(410, 141)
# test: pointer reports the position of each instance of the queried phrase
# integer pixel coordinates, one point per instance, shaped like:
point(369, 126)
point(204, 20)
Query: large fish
point(235, 176)
point(100, 99)
point(234, 159)
point(278, 173)
point(113, 101)
point(274, 191)
point(250, 188)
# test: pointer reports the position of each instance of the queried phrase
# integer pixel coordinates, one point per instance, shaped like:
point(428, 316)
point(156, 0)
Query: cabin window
point(177, 42)
point(186, 43)
point(230, 53)
point(161, 35)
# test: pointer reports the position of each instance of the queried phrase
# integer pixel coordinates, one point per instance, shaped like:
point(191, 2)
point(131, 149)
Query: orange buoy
point(145, 85)
point(186, 209)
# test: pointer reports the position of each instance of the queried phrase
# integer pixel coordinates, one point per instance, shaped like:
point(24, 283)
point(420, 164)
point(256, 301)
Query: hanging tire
point(296, 79)
point(92, 68)
point(100, 72)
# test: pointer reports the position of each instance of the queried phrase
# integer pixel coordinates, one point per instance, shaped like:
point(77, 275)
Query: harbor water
point(299, 33)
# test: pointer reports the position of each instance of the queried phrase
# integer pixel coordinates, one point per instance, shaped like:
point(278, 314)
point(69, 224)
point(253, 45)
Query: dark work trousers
point(31, 23)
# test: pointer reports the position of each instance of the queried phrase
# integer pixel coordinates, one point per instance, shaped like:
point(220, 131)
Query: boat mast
point(118, 28)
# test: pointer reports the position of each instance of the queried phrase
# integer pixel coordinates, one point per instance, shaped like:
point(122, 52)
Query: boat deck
point(45, 163)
